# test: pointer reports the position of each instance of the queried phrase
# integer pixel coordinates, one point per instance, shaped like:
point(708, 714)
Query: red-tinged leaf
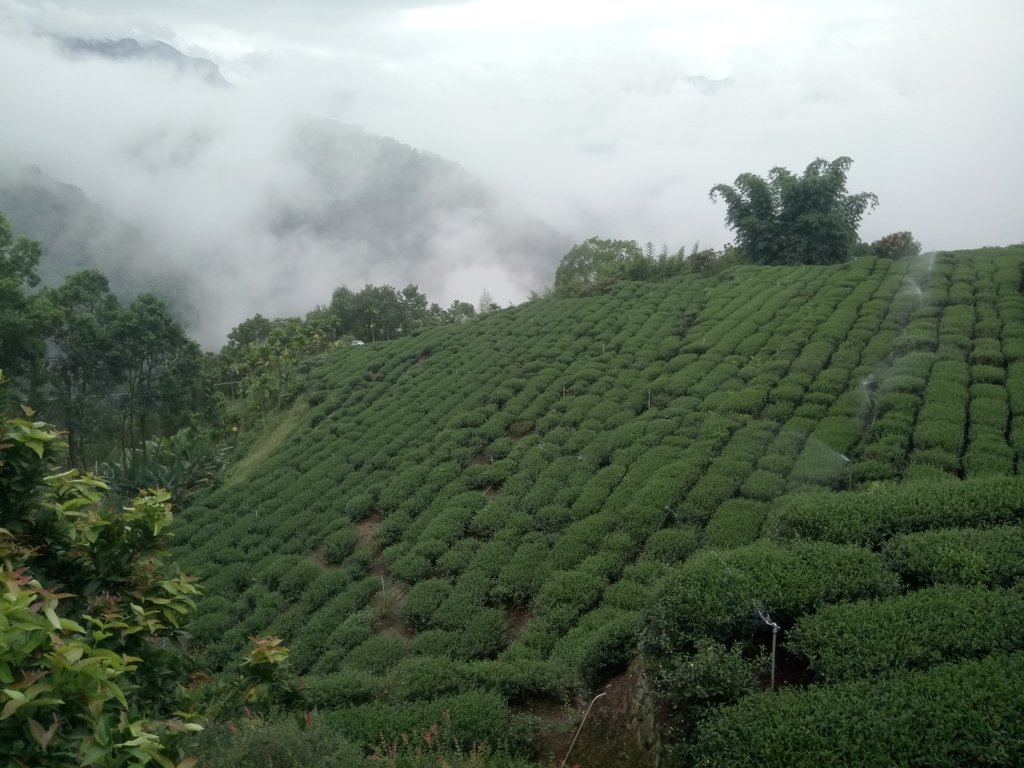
point(49, 734)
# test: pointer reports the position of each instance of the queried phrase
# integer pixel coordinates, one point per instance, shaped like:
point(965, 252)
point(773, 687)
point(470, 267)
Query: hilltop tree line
point(782, 219)
point(115, 374)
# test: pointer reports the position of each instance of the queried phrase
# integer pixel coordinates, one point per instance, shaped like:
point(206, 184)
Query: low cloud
point(605, 119)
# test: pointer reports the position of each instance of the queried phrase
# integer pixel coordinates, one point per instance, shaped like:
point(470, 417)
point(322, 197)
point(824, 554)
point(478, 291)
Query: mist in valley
point(464, 147)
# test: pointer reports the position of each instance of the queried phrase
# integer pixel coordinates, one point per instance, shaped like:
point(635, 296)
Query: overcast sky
point(607, 117)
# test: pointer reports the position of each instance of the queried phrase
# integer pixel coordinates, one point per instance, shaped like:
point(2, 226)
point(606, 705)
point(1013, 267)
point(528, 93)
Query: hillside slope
point(493, 517)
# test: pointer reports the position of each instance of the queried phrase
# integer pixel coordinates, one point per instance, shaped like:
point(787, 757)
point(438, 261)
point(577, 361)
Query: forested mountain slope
point(492, 517)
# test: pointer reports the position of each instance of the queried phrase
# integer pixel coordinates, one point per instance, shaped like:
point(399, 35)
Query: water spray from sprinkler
point(871, 386)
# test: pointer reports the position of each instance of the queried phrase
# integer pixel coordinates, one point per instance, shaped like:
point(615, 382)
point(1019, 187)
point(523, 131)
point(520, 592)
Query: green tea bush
point(483, 635)
point(762, 485)
point(519, 680)
point(904, 719)
point(417, 678)
point(580, 540)
point(935, 433)
point(411, 568)
point(378, 654)
point(339, 544)
point(937, 458)
point(987, 351)
point(912, 631)
point(475, 718)
point(459, 555)
point(422, 599)
point(571, 593)
point(735, 523)
point(671, 545)
point(275, 743)
point(688, 685)
point(869, 517)
point(604, 639)
point(339, 689)
point(988, 374)
point(716, 593)
point(627, 594)
point(987, 455)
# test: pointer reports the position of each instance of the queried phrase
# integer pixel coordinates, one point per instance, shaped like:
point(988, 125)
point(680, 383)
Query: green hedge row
point(912, 631)
point(717, 593)
point(992, 557)
point(869, 517)
point(473, 718)
point(948, 717)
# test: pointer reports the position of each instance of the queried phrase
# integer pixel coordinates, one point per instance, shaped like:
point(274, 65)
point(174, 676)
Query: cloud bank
point(602, 118)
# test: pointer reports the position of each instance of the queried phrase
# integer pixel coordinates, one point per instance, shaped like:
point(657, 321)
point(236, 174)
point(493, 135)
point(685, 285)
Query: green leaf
point(52, 616)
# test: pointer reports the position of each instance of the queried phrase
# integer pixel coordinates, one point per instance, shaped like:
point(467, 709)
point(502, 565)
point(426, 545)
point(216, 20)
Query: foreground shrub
point(476, 718)
point(950, 716)
point(276, 743)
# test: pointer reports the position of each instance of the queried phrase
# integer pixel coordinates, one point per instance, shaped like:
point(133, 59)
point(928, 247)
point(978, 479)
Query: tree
point(486, 303)
point(788, 219)
point(898, 245)
point(22, 344)
point(460, 311)
point(80, 370)
point(91, 664)
point(161, 369)
point(594, 262)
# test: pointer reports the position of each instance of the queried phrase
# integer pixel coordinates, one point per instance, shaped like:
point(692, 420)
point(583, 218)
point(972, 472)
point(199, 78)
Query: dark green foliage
point(671, 545)
point(945, 623)
point(22, 318)
point(475, 718)
point(787, 219)
point(278, 743)
point(987, 556)
point(603, 640)
point(422, 599)
point(423, 678)
point(869, 517)
point(339, 545)
point(734, 524)
point(898, 245)
point(716, 594)
point(906, 719)
point(339, 689)
point(709, 676)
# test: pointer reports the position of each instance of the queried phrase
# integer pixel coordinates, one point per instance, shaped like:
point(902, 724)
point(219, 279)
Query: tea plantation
point(497, 519)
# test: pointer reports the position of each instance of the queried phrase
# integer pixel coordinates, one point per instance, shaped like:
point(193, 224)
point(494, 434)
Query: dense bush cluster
point(906, 719)
point(865, 639)
point(871, 516)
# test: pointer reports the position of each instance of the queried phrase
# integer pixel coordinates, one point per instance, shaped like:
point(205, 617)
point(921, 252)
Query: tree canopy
point(789, 219)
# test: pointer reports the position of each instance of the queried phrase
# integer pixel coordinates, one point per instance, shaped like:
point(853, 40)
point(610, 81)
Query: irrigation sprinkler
point(763, 615)
point(585, 716)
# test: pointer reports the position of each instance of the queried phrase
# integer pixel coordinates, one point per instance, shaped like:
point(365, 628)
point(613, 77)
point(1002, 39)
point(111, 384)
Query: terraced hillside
point(495, 518)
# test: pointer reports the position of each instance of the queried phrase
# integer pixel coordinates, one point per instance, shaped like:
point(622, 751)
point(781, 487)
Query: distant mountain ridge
point(128, 48)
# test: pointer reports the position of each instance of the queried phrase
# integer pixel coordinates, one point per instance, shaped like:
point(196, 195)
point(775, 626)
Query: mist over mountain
point(227, 206)
point(151, 50)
